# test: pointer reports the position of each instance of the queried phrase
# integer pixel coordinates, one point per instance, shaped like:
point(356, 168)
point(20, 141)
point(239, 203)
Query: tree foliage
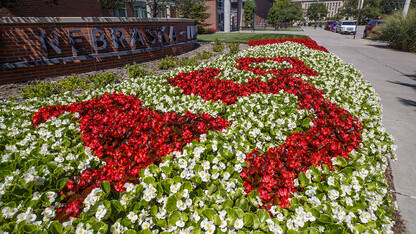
point(249, 9)
point(316, 8)
point(371, 10)
point(284, 12)
point(389, 6)
point(193, 9)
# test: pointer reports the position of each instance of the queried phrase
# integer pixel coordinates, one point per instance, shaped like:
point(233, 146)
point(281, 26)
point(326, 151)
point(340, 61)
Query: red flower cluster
point(203, 84)
point(305, 41)
point(334, 133)
point(128, 137)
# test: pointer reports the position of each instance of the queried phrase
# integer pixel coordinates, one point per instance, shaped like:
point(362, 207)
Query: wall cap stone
point(57, 20)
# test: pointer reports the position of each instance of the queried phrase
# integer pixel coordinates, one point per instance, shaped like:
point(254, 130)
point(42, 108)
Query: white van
point(345, 27)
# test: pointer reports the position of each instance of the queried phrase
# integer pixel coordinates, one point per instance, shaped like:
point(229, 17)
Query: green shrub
point(103, 79)
point(204, 55)
point(218, 46)
point(40, 90)
point(234, 48)
point(134, 70)
point(167, 62)
point(188, 61)
point(398, 32)
point(72, 83)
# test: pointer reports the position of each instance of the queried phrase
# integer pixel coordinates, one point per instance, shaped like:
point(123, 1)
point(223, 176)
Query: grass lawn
point(291, 28)
point(244, 37)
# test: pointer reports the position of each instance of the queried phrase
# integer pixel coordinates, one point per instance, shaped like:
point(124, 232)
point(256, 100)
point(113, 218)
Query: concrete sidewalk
point(392, 73)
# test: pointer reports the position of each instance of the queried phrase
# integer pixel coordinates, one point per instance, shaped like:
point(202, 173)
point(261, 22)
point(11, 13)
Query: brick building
point(84, 8)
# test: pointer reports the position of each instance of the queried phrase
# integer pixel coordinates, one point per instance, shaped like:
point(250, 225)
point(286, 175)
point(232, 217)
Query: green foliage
point(316, 8)
point(40, 90)
point(389, 6)
point(398, 32)
point(204, 55)
point(194, 9)
point(234, 48)
point(244, 38)
point(218, 46)
point(72, 83)
point(134, 70)
point(284, 13)
point(188, 61)
point(249, 8)
point(167, 62)
point(103, 79)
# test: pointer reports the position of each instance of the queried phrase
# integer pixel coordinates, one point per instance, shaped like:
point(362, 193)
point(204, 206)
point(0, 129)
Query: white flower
point(124, 199)
point(365, 217)
point(196, 216)
point(180, 223)
point(129, 186)
point(331, 181)
point(132, 216)
point(175, 187)
point(238, 224)
point(333, 194)
point(226, 175)
point(145, 225)
point(101, 211)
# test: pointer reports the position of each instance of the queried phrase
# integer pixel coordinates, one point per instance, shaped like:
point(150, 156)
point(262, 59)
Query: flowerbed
point(283, 137)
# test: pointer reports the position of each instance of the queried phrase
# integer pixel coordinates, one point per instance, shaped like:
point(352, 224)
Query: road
point(392, 73)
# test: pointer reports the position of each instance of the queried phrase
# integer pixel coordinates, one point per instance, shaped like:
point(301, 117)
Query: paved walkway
point(392, 73)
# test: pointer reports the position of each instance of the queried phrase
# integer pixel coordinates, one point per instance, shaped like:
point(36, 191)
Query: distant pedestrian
point(315, 25)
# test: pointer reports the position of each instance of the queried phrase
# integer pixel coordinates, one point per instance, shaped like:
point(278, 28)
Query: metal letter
point(116, 39)
point(136, 36)
point(96, 39)
point(161, 34)
point(45, 39)
point(172, 34)
point(148, 32)
point(73, 41)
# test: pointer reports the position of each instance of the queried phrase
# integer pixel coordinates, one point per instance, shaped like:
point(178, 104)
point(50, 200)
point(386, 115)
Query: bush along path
point(280, 138)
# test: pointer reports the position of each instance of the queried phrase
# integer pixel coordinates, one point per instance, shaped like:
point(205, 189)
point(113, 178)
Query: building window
point(162, 12)
point(140, 10)
point(121, 12)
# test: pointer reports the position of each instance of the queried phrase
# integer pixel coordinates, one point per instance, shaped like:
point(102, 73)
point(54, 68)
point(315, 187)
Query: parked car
point(345, 27)
point(334, 27)
point(369, 27)
point(328, 25)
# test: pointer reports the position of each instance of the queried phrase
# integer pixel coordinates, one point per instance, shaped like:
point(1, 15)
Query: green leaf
point(342, 161)
point(145, 231)
point(209, 213)
point(161, 223)
point(30, 228)
point(153, 211)
point(228, 203)
point(239, 212)
point(263, 215)
point(149, 180)
point(360, 228)
point(242, 203)
point(304, 181)
point(117, 205)
point(153, 169)
point(292, 232)
point(62, 182)
point(56, 227)
point(100, 227)
point(256, 222)
point(173, 218)
point(186, 185)
point(106, 187)
point(211, 189)
point(248, 220)
point(167, 170)
point(171, 204)
point(324, 218)
point(232, 215)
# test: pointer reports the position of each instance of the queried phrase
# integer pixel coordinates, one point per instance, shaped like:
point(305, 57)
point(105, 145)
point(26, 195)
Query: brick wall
point(64, 8)
point(21, 42)
point(212, 10)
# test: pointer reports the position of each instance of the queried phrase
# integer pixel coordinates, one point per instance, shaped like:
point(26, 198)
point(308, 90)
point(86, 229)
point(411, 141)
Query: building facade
point(333, 6)
point(84, 8)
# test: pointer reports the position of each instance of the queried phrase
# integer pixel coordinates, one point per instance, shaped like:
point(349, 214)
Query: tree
point(317, 10)
point(249, 8)
point(284, 12)
point(194, 9)
point(389, 6)
point(371, 10)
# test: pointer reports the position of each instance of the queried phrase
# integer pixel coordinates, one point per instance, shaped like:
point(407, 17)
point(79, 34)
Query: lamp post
point(360, 6)
point(406, 8)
